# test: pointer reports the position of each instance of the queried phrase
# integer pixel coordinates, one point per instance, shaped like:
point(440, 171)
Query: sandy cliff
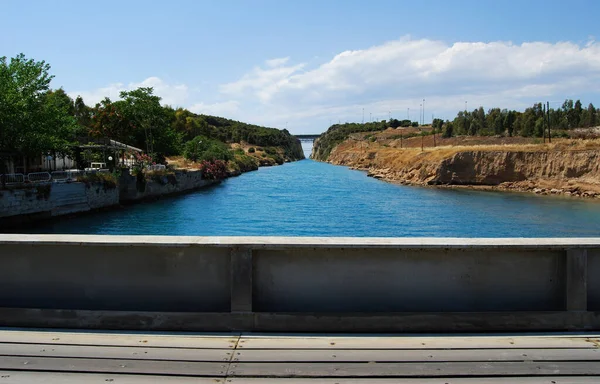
point(560, 169)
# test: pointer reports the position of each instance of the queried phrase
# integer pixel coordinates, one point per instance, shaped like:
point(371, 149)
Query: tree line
point(529, 123)
point(35, 119)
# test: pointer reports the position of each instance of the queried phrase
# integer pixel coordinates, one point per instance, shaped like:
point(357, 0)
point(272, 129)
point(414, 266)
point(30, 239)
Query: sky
point(304, 64)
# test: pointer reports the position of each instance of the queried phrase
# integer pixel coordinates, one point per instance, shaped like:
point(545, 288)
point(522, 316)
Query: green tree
point(83, 113)
point(33, 119)
point(577, 110)
point(437, 124)
point(509, 122)
point(448, 129)
point(591, 115)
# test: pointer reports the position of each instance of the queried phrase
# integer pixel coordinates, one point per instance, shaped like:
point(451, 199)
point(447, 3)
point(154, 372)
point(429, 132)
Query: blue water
point(308, 198)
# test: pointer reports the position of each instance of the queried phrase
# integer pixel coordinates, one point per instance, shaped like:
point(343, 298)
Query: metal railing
point(46, 177)
point(39, 177)
point(12, 178)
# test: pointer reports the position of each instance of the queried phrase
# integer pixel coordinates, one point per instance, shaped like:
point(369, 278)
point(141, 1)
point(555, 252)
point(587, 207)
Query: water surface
point(308, 198)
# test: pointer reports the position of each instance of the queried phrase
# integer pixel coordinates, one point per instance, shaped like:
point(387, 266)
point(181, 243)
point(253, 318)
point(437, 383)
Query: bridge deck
point(50, 356)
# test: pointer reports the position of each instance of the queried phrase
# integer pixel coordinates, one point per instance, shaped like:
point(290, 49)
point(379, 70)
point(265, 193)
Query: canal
point(309, 198)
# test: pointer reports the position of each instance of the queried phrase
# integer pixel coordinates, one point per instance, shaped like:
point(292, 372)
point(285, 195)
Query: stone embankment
point(534, 169)
point(38, 202)
point(31, 203)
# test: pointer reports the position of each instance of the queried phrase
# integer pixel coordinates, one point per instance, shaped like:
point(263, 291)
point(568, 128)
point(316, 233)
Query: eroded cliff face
point(574, 172)
point(496, 167)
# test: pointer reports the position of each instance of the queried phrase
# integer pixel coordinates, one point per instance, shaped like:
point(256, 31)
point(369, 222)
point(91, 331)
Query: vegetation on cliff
point(533, 122)
point(35, 119)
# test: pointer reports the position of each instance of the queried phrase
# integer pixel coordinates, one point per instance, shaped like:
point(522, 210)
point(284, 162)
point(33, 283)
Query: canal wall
point(38, 202)
point(300, 284)
point(31, 203)
point(151, 187)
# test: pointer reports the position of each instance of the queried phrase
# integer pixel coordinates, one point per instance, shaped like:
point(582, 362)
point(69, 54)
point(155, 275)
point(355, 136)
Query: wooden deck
point(50, 356)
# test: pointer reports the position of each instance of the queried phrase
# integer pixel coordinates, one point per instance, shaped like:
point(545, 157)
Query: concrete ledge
point(311, 323)
point(285, 284)
point(260, 242)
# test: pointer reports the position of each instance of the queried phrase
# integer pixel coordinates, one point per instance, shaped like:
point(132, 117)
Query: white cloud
point(398, 74)
point(262, 83)
point(392, 77)
point(277, 62)
point(171, 94)
point(227, 108)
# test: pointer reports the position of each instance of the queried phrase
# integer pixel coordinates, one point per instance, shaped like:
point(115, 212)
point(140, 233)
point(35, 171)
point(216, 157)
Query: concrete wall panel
point(101, 277)
point(385, 280)
point(593, 279)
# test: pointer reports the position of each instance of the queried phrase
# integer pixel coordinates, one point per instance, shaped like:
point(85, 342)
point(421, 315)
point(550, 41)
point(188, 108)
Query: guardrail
point(39, 177)
point(282, 284)
point(46, 177)
point(12, 178)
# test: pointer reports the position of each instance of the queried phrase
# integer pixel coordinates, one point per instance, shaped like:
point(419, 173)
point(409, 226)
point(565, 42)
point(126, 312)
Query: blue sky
point(306, 63)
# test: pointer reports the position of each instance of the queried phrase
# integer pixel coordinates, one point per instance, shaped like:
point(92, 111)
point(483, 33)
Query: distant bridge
point(310, 137)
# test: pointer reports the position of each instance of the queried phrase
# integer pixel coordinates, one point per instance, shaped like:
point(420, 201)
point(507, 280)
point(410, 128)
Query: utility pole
point(363, 120)
point(408, 113)
point(423, 111)
point(370, 117)
point(420, 112)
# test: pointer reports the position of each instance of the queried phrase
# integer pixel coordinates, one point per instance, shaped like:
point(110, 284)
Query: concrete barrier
point(299, 284)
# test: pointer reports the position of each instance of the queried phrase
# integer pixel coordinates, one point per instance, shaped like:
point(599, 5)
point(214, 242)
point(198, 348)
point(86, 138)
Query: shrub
point(213, 170)
point(278, 158)
point(202, 148)
point(108, 180)
point(163, 177)
point(251, 150)
point(246, 163)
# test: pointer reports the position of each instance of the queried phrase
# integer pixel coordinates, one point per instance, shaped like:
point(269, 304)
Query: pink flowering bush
point(213, 170)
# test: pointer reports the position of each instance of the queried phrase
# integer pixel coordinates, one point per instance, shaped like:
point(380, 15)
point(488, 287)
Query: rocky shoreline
point(442, 173)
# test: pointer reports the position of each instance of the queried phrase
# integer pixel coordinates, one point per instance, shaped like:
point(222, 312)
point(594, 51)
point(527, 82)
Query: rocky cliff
point(539, 169)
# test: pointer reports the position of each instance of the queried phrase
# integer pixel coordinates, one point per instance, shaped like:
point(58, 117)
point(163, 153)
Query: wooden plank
point(431, 369)
point(24, 377)
point(416, 342)
point(416, 355)
point(479, 380)
point(148, 367)
point(118, 339)
point(103, 352)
